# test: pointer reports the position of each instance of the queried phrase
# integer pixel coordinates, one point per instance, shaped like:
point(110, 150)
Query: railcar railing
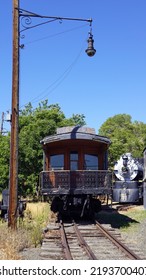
point(66, 181)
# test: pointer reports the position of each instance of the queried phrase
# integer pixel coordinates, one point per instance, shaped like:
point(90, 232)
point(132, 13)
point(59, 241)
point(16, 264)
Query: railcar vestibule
point(75, 165)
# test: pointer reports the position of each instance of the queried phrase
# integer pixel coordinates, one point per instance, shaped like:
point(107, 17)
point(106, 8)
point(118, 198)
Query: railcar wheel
point(57, 205)
point(96, 205)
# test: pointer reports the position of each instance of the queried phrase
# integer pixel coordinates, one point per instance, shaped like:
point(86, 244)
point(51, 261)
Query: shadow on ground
point(115, 218)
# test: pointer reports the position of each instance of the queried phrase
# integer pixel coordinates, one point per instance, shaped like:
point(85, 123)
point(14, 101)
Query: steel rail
point(64, 242)
point(119, 244)
point(83, 243)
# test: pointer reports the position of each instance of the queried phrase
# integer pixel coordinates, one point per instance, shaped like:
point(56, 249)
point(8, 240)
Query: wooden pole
point(13, 187)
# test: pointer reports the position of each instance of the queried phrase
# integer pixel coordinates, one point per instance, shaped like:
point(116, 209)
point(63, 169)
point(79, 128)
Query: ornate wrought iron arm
point(27, 15)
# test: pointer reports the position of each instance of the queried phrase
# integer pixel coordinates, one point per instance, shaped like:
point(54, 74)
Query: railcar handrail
point(79, 179)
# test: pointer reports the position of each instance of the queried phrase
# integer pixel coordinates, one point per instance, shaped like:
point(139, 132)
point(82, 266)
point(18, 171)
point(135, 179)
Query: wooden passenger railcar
point(75, 169)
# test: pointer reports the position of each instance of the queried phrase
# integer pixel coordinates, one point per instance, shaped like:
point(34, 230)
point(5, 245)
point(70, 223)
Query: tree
point(4, 161)
point(126, 136)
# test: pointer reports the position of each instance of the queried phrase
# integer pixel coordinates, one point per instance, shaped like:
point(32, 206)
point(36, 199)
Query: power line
point(55, 34)
point(56, 83)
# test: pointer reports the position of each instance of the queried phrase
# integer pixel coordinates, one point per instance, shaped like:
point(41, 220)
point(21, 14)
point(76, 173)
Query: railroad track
point(83, 241)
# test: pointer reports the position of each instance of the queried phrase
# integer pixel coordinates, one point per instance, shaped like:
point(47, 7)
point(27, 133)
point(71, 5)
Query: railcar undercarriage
point(80, 205)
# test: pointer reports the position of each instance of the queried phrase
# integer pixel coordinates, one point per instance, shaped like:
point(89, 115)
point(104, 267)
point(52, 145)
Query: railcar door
point(56, 163)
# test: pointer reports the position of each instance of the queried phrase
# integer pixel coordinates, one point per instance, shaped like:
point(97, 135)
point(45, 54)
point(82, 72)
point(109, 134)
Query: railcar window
point(57, 161)
point(90, 162)
point(73, 161)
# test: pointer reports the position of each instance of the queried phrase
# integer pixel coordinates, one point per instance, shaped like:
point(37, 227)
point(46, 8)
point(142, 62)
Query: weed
point(12, 242)
point(28, 234)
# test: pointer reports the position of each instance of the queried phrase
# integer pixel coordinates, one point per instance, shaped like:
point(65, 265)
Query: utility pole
point(2, 123)
point(13, 187)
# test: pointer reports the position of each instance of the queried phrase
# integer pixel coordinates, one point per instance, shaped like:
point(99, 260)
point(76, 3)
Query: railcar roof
point(76, 132)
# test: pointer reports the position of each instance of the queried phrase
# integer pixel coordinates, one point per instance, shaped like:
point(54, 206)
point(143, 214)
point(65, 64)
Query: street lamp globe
point(90, 50)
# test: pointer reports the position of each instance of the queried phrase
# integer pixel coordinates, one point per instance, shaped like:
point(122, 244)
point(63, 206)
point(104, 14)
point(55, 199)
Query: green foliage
point(4, 161)
point(126, 136)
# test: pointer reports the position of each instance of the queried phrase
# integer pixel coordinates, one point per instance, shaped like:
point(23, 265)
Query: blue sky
point(54, 65)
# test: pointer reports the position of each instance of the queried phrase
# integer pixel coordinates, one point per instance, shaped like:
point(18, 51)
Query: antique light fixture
point(90, 50)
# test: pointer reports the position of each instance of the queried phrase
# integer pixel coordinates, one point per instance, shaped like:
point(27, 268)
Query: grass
point(135, 216)
point(28, 233)
point(126, 221)
point(11, 243)
point(36, 216)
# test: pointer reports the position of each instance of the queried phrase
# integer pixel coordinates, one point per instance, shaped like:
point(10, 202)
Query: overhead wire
point(52, 87)
point(56, 34)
